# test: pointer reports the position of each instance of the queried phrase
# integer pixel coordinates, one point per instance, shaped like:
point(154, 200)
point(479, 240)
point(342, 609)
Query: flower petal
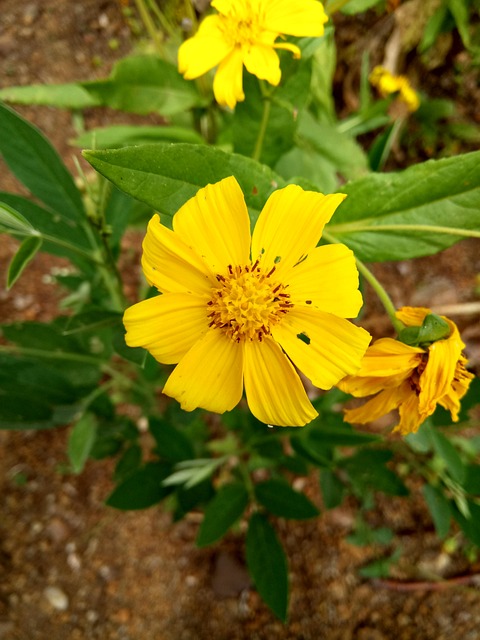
point(290, 225)
point(328, 280)
point(410, 416)
point(439, 373)
point(215, 224)
point(459, 387)
point(228, 81)
point(205, 50)
point(172, 266)
point(412, 316)
point(287, 46)
point(323, 346)
point(263, 62)
point(299, 18)
point(167, 325)
point(274, 391)
point(380, 405)
point(209, 375)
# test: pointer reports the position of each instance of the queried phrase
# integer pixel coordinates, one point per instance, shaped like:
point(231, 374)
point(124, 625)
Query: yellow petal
point(289, 47)
point(209, 375)
point(380, 405)
point(323, 346)
point(388, 357)
point(299, 18)
point(439, 373)
point(290, 225)
point(361, 386)
point(228, 81)
point(167, 325)
point(205, 50)
point(459, 387)
point(412, 316)
point(328, 280)
point(263, 62)
point(410, 416)
point(274, 391)
point(170, 265)
point(215, 224)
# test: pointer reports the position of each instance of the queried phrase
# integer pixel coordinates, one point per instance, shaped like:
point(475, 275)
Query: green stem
point(263, 124)
point(150, 25)
point(451, 231)
point(59, 243)
point(375, 284)
point(51, 355)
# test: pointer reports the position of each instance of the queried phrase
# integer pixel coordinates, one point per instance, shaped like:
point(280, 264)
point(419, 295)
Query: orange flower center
point(247, 303)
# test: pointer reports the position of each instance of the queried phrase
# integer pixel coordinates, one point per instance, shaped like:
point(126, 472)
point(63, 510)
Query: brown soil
point(73, 568)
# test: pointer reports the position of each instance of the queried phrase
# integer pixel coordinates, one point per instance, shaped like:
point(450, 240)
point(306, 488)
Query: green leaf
point(141, 489)
point(459, 11)
point(367, 470)
point(25, 253)
point(165, 176)
point(471, 483)
point(333, 435)
point(80, 441)
point(469, 525)
point(323, 68)
point(433, 27)
point(300, 164)
point(222, 512)
point(172, 444)
point(267, 564)
point(125, 135)
point(35, 162)
point(358, 6)
point(280, 499)
point(129, 462)
point(439, 507)
point(332, 489)
point(443, 193)
point(11, 220)
point(145, 84)
point(445, 449)
point(62, 96)
point(380, 568)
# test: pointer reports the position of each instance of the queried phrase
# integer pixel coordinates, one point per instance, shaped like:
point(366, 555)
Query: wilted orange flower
point(412, 379)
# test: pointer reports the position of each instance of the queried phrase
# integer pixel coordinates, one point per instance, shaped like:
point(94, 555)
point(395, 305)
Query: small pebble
point(57, 598)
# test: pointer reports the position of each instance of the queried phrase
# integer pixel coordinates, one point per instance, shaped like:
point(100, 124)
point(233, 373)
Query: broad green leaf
point(25, 253)
point(471, 484)
point(141, 489)
point(125, 135)
point(469, 524)
point(367, 470)
point(379, 218)
point(332, 489)
point(35, 162)
point(128, 463)
point(145, 84)
point(439, 507)
point(281, 500)
point(323, 68)
point(445, 449)
point(11, 220)
point(267, 564)
point(285, 103)
point(62, 96)
point(165, 176)
point(80, 441)
point(222, 512)
point(310, 165)
point(172, 444)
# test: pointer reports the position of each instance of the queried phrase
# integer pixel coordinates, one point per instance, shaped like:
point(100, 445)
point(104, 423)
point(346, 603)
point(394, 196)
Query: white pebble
point(57, 598)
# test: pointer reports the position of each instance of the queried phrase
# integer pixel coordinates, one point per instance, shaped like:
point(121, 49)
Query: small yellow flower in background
point(411, 379)
point(244, 33)
point(236, 311)
point(387, 83)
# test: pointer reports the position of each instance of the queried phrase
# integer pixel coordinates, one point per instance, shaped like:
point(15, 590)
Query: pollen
point(241, 26)
point(247, 303)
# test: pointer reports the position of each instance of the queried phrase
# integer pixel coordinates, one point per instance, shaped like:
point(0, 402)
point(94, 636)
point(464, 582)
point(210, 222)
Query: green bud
point(433, 328)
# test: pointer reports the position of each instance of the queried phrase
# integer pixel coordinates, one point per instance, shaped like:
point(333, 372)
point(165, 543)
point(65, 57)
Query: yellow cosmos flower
point(387, 83)
point(237, 311)
point(244, 33)
point(411, 379)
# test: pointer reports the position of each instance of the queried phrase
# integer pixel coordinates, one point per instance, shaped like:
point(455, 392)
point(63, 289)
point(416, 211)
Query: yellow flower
point(237, 311)
point(411, 379)
point(387, 83)
point(244, 33)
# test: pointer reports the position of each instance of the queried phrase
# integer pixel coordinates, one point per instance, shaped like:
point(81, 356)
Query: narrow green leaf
point(222, 512)
point(469, 525)
point(125, 135)
point(128, 463)
point(267, 564)
point(439, 507)
point(35, 162)
point(25, 253)
point(459, 11)
point(62, 96)
point(11, 220)
point(81, 441)
point(471, 484)
point(141, 489)
point(281, 500)
point(332, 489)
point(445, 449)
point(165, 176)
point(438, 193)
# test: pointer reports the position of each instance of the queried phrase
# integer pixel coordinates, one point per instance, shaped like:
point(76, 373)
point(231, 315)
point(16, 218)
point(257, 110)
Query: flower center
point(241, 26)
point(247, 303)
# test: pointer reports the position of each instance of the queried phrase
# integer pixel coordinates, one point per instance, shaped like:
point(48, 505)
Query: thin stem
point(150, 25)
point(60, 243)
point(264, 122)
point(451, 231)
point(51, 355)
point(375, 284)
